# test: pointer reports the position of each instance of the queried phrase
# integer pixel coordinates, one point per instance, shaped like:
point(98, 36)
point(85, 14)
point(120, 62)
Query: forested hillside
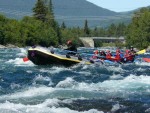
point(43, 29)
point(72, 12)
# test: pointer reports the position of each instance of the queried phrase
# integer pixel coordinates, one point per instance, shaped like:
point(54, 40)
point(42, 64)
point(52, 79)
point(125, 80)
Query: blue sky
point(121, 5)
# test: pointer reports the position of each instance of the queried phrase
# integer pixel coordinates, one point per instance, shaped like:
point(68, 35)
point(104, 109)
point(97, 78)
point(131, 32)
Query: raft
point(146, 60)
point(40, 56)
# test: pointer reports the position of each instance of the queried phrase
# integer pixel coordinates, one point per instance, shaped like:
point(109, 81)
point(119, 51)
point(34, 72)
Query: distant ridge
point(72, 12)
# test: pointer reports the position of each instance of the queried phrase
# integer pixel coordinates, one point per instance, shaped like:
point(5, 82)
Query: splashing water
point(27, 88)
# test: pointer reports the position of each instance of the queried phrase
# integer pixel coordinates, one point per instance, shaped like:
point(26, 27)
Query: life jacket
point(95, 54)
point(128, 56)
point(108, 55)
point(118, 57)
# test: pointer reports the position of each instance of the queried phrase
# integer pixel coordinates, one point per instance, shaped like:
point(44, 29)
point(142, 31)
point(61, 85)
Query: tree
point(63, 26)
point(40, 10)
point(50, 20)
point(139, 29)
point(120, 29)
point(112, 30)
point(86, 28)
point(3, 21)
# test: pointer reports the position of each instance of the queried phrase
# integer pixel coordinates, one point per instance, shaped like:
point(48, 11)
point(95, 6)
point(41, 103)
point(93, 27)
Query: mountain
point(72, 12)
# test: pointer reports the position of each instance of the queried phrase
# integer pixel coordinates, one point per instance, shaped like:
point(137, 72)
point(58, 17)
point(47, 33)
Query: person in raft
point(102, 53)
point(128, 57)
point(108, 55)
point(116, 58)
point(132, 50)
point(95, 56)
point(72, 50)
point(118, 55)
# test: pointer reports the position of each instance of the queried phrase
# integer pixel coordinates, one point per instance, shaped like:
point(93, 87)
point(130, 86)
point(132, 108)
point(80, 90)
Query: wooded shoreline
point(8, 46)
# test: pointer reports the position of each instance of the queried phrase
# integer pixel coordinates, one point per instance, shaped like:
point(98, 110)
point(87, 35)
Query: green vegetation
point(138, 33)
point(42, 29)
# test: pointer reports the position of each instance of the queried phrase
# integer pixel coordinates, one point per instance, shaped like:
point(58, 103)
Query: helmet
point(96, 52)
point(69, 42)
point(108, 51)
point(127, 51)
point(118, 50)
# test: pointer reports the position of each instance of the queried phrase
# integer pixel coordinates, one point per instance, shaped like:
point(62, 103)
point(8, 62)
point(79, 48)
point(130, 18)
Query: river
point(96, 88)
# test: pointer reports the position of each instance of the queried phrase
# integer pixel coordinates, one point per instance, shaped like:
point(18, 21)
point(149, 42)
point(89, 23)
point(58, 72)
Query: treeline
point(42, 29)
point(138, 32)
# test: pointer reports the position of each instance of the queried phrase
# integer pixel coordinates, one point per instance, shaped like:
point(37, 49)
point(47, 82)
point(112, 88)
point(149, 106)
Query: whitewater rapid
point(96, 88)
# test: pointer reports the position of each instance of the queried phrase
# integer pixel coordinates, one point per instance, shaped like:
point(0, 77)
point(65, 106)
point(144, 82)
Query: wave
point(19, 62)
point(48, 106)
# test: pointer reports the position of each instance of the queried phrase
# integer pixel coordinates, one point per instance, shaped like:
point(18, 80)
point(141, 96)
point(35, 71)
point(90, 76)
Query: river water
point(96, 88)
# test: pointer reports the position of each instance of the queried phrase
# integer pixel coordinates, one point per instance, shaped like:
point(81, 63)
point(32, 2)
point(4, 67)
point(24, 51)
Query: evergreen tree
point(50, 20)
point(120, 29)
point(3, 21)
point(63, 26)
point(40, 10)
point(112, 30)
point(86, 28)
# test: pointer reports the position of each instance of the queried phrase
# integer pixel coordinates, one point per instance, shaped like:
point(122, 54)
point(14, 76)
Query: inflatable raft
point(40, 56)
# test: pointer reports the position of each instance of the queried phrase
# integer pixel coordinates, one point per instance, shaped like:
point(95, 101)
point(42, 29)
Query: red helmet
point(69, 42)
point(96, 52)
point(108, 51)
point(118, 50)
point(127, 51)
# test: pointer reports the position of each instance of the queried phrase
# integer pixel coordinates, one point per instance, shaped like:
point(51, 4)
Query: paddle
point(141, 51)
point(25, 59)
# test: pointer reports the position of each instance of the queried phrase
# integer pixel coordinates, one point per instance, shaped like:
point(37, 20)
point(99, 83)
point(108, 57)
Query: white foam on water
point(86, 73)
point(148, 110)
point(70, 83)
point(142, 63)
point(49, 106)
point(54, 70)
point(141, 69)
point(19, 62)
point(67, 83)
point(29, 93)
point(116, 76)
point(115, 68)
point(23, 52)
point(41, 78)
point(116, 107)
point(14, 85)
point(129, 84)
point(85, 67)
point(29, 71)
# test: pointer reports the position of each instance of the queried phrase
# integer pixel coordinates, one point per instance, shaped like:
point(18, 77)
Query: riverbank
point(8, 46)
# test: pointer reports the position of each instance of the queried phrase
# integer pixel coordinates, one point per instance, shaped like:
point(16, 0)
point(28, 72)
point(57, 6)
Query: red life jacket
point(128, 55)
point(117, 57)
point(108, 55)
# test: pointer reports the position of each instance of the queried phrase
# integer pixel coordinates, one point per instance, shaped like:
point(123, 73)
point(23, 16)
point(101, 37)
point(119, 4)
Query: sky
point(121, 5)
